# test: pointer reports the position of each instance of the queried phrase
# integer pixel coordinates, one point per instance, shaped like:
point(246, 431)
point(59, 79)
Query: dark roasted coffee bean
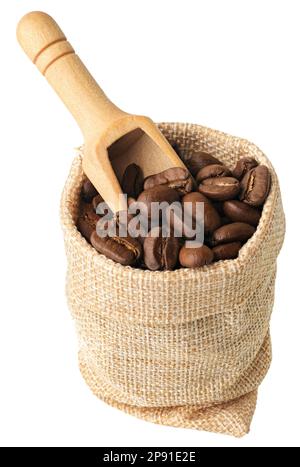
point(88, 191)
point(85, 228)
point(213, 170)
point(190, 257)
point(158, 194)
point(182, 223)
point(198, 160)
point(123, 250)
point(235, 232)
point(87, 221)
point(160, 253)
point(116, 225)
point(243, 166)
point(226, 251)
point(130, 201)
point(179, 226)
point(97, 200)
point(220, 188)
point(178, 178)
point(141, 239)
point(139, 221)
point(211, 217)
point(255, 186)
point(211, 212)
point(237, 211)
point(132, 181)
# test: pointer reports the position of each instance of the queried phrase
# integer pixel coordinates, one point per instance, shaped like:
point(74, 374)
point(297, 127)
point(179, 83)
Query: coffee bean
point(139, 221)
point(220, 188)
point(226, 251)
point(97, 200)
point(237, 211)
point(183, 223)
point(123, 250)
point(132, 181)
point(198, 160)
point(87, 221)
point(190, 257)
point(213, 170)
point(160, 253)
point(178, 178)
point(158, 194)
point(243, 166)
point(224, 222)
point(130, 201)
point(235, 232)
point(88, 191)
point(115, 225)
point(255, 186)
point(211, 217)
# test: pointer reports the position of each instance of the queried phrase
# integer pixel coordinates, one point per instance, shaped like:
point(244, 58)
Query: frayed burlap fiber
point(186, 348)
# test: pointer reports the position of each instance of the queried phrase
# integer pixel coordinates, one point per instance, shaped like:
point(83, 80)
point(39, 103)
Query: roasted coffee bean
point(198, 160)
point(88, 191)
point(235, 232)
point(226, 251)
point(220, 188)
point(178, 178)
point(116, 225)
point(87, 221)
point(255, 186)
point(211, 217)
point(160, 253)
point(132, 181)
point(123, 250)
point(224, 222)
point(130, 201)
point(183, 224)
point(178, 225)
point(243, 166)
point(158, 194)
point(237, 211)
point(139, 222)
point(97, 200)
point(213, 170)
point(190, 257)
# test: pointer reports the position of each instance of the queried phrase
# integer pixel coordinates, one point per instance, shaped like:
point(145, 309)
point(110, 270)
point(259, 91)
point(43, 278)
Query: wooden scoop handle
point(46, 46)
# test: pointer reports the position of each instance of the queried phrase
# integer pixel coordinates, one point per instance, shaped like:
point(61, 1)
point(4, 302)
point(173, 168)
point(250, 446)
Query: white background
point(231, 65)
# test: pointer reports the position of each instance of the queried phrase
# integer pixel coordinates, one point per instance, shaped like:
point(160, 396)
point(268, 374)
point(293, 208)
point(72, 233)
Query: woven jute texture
point(186, 348)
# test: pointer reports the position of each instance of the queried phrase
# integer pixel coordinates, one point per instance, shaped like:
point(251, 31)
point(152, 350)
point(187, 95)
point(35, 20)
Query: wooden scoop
point(113, 138)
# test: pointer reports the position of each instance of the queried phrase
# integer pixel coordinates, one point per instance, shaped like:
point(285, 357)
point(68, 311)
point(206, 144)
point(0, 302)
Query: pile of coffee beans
point(232, 200)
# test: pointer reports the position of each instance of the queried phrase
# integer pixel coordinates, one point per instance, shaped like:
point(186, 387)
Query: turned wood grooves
point(45, 57)
point(62, 48)
point(46, 47)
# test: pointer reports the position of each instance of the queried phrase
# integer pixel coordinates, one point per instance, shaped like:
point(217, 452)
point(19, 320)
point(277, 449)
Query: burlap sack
point(186, 348)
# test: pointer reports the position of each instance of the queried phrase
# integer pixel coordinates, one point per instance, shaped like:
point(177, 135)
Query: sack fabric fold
point(186, 348)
